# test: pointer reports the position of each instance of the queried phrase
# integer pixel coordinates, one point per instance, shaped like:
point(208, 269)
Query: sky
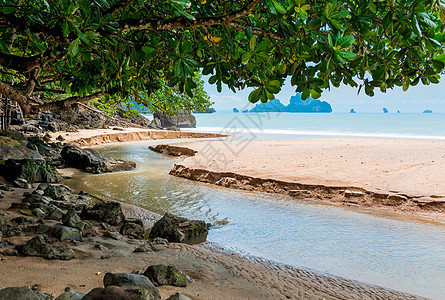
point(414, 100)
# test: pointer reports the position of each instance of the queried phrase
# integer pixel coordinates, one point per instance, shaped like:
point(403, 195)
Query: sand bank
point(393, 175)
point(90, 137)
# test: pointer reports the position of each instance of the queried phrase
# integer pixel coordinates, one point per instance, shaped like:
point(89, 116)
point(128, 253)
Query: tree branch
point(15, 94)
point(66, 102)
point(182, 23)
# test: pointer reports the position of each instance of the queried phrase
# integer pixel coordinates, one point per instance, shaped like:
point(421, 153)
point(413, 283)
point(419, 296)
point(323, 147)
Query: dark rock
point(36, 198)
point(133, 230)
point(178, 296)
point(110, 212)
point(60, 138)
point(113, 234)
point(180, 230)
point(65, 233)
point(55, 213)
point(23, 221)
point(181, 119)
point(173, 150)
point(32, 170)
point(37, 246)
point(18, 293)
point(73, 220)
point(143, 248)
point(8, 229)
point(92, 161)
point(3, 186)
point(10, 252)
point(71, 295)
point(173, 128)
point(131, 283)
point(58, 192)
point(158, 241)
point(43, 229)
point(22, 183)
point(39, 213)
point(100, 247)
point(165, 275)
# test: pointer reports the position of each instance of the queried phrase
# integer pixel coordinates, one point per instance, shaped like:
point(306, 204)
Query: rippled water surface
point(403, 254)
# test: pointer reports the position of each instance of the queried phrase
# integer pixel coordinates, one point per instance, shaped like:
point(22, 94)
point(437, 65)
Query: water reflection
point(403, 255)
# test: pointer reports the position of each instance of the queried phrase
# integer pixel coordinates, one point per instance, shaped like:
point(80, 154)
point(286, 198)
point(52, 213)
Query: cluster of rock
point(76, 220)
point(25, 160)
point(128, 286)
point(77, 117)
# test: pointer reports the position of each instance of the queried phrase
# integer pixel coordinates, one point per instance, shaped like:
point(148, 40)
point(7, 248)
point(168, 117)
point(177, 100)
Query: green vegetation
point(63, 51)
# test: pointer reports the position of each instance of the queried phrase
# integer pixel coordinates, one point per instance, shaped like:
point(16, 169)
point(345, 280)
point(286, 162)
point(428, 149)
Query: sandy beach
point(318, 166)
point(395, 175)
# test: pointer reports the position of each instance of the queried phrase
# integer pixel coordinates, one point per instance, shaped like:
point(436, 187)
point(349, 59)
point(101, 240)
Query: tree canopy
point(56, 52)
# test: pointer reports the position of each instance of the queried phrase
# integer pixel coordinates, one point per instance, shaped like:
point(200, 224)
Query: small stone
point(38, 213)
point(143, 248)
point(113, 234)
point(42, 229)
point(22, 183)
point(133, 230)
point(100, 247)
point(73, 220)
point(159, 241)
point(10, 252)
point(104, 257)
point(56, 214)
point(60, 138)
point(105, 225)
point(178, 296)
point(36, 287)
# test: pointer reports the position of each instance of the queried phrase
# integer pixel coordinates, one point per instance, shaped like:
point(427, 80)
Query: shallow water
point(394, 252)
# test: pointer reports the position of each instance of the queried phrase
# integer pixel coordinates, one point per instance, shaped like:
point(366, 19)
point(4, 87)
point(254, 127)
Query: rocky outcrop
point(180, 230)
point(92, 161)
point(32, 170)
point(19, 293)
point(131, 283)
point(173, 150)
point(181, 119)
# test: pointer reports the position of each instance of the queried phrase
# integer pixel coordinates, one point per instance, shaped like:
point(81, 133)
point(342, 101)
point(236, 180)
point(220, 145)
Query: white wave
point(321, 133)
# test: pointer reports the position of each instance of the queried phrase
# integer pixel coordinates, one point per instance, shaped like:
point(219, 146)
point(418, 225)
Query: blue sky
point(414, 100)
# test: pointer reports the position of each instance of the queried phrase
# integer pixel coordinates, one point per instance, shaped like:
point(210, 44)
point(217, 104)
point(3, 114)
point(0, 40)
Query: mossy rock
point(32, 170)
point(165, 275)
point(179, 229)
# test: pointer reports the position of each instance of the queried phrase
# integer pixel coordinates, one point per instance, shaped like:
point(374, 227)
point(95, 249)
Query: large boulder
point(110, 212)
point(181, 119)
point(166, 275)
point(129, 281)
point(58, 192)
point(18, 293)
point(71, 295)
point(179, 229)
point(133, 230)
point(92, 161)
point(37, 246)
point(7, 229)
point(71, 219)
point(65, 233)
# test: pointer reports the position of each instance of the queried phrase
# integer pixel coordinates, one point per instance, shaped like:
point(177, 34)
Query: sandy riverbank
point(393, 175)
point(218, 274)
point(93, 137)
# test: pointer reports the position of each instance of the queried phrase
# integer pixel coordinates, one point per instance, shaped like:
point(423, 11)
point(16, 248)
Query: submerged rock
point(180, 230)
point(166, 275)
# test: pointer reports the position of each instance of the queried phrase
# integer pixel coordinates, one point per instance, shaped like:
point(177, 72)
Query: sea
point(389, 250)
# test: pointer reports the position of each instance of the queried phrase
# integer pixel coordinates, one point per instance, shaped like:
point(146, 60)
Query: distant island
point(296, 105)
point(385, 111)
point(352, 111)
point(235, 110)
point(427, 111)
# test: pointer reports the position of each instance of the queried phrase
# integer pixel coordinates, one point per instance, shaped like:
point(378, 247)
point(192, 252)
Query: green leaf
point(372, 7)
point(279, 6)
point(246, 57)
point(345, 41)
point(440, 57)
point(416, 26)
point(339, 14)
point(254, 96)
point(73, 49)
point(252, 43)
point(148, 49)
point(330, 41)
point(26, 211)
point(271, 7)
point(7, 10)
point(306, 93)
point(347, 55)
point(65, 28)
point(315, 94)
point(249, 32)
